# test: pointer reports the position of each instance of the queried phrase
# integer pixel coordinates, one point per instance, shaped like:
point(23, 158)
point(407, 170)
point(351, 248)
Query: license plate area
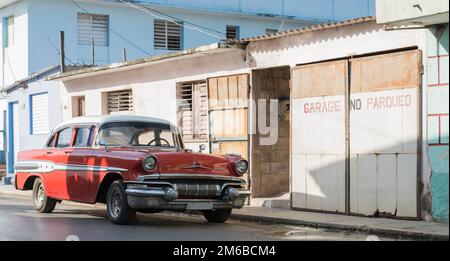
point(199, 205)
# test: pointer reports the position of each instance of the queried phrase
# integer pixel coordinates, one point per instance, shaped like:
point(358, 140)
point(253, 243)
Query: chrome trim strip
point(190, 176)
point(45, 166)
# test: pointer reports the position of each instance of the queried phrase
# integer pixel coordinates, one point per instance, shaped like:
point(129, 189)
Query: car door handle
point(67, 152)
point(49, 152)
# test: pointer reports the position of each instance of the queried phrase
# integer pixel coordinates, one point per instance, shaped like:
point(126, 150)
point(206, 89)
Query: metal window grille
point(93, 27)
point(120, 101)
point(167, 35)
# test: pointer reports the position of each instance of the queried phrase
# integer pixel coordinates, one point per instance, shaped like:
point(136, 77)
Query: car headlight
point(149, 163)
point(241, 166)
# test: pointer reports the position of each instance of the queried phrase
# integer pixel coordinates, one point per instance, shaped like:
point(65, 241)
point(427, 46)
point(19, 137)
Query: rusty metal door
point(355, 134)
point(384, 131)
point(318, 136)
point(228, 114)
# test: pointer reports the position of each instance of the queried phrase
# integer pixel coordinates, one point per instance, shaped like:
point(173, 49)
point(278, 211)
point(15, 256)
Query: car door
point(62, 179)
point(85, 173)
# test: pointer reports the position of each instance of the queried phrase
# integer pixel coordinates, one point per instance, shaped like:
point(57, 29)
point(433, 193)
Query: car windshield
point(139, 134)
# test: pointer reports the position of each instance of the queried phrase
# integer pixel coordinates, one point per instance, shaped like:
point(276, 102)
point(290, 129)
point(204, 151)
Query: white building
point(351, 133)
point(30, 40)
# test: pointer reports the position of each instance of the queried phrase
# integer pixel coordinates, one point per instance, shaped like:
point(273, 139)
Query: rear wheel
point(217, 215)
point(42, 203)
point(117, 207)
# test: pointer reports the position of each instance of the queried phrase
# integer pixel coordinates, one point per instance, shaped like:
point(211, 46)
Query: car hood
point(177, 161)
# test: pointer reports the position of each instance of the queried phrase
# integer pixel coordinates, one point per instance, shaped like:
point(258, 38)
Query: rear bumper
point(165, 196)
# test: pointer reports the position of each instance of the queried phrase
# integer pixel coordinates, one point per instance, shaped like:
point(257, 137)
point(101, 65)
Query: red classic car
point(133, 164)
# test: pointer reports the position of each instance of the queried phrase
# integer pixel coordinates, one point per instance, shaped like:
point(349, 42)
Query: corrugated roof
point(310, 29)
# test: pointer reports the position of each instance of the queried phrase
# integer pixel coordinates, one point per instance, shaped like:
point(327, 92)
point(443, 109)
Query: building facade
point(98, 32)
point(433, 16)
point(333, 115)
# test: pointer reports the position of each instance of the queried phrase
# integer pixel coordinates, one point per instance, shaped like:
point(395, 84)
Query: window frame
point(91, 16)
point(130, 104)
point(238, 31)
point(166, 36)
point(91, 134)
point(30, 101)
point(55, 143)
point(9, 27)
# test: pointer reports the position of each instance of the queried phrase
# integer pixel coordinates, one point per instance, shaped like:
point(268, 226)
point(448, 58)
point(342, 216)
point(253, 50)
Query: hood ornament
point(195, 165)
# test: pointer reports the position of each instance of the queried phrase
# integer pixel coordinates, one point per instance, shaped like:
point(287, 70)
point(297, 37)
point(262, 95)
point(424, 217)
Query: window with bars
point(192, 99)
point(93, 27)
point(168, 35)
point(120, 101)
point(232, 32)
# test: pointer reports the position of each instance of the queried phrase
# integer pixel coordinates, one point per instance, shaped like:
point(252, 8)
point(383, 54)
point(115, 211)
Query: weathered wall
point(437, 122)
point(154, 87)
point(270, 163)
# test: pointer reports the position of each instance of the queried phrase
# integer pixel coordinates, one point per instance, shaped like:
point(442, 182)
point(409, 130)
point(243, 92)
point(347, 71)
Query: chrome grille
point(197, 190)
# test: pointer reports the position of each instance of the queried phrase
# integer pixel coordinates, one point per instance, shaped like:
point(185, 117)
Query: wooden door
point(228, 114)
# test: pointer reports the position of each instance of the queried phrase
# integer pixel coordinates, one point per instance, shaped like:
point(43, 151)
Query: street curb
point(400, 234)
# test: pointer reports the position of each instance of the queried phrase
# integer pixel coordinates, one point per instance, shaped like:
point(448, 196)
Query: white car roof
point(99, 120)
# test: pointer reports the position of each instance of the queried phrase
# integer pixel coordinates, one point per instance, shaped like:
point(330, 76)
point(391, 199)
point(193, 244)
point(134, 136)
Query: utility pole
point(93, 52)
point(62, 64)
point(124, 55)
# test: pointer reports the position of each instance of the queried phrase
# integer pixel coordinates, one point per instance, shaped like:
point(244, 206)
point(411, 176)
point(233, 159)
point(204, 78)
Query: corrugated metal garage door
point(318, 136)
point(378, 142)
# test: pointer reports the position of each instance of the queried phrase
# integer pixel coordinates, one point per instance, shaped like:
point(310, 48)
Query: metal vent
point(93, 27)
point(167, 35)
point(120, 101)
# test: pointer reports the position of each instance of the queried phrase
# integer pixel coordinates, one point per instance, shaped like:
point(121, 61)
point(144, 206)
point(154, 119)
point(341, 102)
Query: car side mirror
point(103, 143)
point(201, 148)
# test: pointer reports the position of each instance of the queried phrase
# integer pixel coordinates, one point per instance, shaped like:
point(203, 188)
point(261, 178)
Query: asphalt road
point(19, 221)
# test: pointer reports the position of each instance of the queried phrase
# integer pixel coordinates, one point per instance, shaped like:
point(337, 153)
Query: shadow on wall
point(385, 183)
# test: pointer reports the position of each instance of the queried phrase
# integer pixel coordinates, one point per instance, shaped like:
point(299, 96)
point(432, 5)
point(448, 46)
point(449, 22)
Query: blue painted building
point(433, 17)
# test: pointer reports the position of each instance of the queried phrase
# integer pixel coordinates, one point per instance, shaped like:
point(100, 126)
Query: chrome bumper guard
point(164, 196)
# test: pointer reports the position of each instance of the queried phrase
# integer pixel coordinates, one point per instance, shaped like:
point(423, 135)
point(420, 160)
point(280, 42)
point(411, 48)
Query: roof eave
point(91, 71)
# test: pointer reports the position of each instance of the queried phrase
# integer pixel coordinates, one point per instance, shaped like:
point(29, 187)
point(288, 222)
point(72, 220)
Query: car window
point(138, 134)
point(64, 138)
point(82, 137)
point(51, 141)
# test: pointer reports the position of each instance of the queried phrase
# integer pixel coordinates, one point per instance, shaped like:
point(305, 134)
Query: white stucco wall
point(32, 141)
point(154, 87)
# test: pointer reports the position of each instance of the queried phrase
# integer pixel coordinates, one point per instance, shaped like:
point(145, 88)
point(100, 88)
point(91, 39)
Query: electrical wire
point(58, 51)
point(168, 18)
point(112, 30)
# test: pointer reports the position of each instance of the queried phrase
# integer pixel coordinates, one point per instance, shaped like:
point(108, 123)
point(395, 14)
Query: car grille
point(197, 190)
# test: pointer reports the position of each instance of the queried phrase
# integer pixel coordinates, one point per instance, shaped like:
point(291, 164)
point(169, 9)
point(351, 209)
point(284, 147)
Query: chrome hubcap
point(116, 203)
point(40, 195)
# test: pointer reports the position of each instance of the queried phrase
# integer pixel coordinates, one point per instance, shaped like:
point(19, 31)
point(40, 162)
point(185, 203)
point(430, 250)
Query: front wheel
point(217, 215)
point(42, 203)
point(117, 207)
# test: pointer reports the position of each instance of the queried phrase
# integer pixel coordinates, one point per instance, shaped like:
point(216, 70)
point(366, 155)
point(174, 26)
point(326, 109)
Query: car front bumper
point(164, 195)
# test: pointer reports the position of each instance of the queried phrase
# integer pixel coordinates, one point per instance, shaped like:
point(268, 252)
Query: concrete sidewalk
point(378, 226)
